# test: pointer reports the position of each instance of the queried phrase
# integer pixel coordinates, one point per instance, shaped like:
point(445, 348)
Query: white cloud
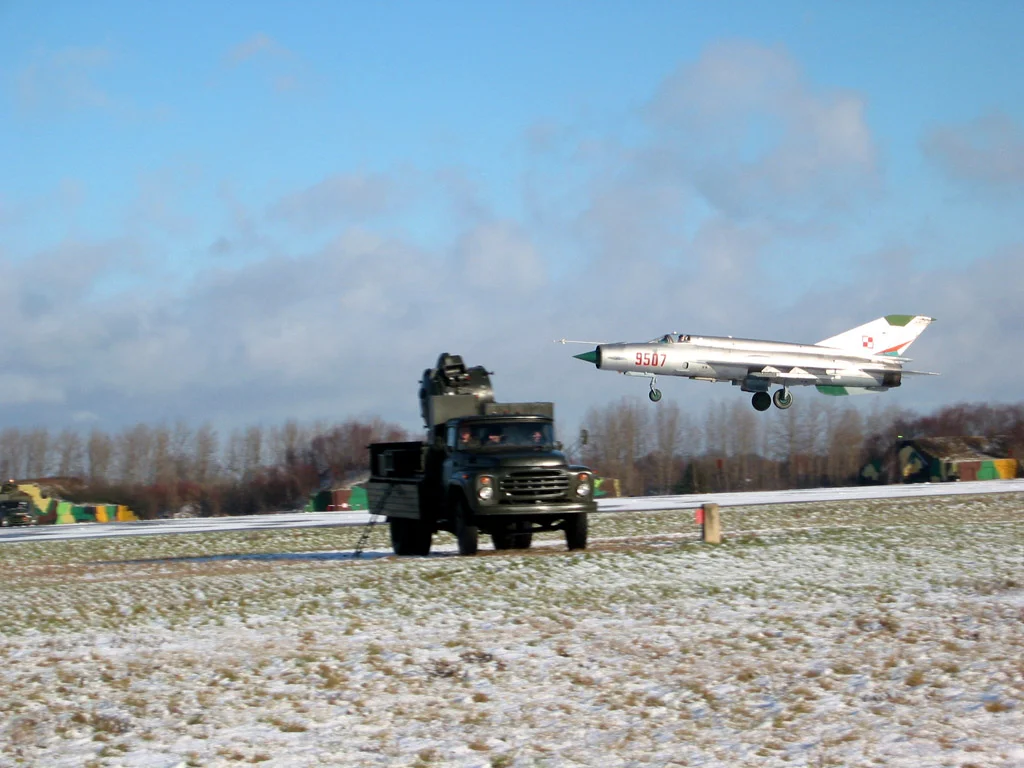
point(23, 388)
point(342, 198)
point(635, 216)
point(63, 80)
point(281, 69)
point(260, 44)
point(499, 256)
point(988, 150)
point(743, 123)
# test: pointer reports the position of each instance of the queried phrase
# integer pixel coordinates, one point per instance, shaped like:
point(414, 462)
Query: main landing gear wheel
point(782, 398)
point(762, 401)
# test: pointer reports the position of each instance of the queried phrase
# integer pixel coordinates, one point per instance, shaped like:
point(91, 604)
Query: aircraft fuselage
point(751, 363)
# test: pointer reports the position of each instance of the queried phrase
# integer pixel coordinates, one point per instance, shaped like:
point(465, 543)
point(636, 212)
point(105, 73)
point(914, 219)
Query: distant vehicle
point(868, 358)
point(484, 467)
point(16, 506)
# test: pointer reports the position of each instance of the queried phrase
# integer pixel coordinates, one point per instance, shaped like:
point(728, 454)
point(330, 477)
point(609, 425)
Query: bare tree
point(69, 451)
point(135, 455)
point(743, 442)
point(37, 453)
point(12, 454)
point(845, 449)
point(287, 443)
point(668, 425)
point(100, 456)
point(180, 450)
point(252, 450)
point(234, 454)
point(715, 431)
point(621, 432)
point(163, 469)
point(204, 454)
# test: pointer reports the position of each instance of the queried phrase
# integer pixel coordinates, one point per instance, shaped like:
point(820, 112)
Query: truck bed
point(396, 475)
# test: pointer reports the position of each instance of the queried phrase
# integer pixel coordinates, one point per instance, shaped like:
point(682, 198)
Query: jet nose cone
point(588, 357)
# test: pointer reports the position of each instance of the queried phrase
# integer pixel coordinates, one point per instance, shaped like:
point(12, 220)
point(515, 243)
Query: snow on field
point(838, 634)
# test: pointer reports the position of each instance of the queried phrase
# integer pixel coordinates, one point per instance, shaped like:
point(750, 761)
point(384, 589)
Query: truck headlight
point(582, 484)
point(485, 489)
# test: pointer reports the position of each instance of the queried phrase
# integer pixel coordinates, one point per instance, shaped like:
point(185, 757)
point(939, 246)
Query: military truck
point(16, 506)
point(483, 467)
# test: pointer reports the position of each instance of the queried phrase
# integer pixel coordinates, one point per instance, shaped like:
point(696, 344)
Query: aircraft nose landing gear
point(762, 401)
point(782, 398)
point(655, 393)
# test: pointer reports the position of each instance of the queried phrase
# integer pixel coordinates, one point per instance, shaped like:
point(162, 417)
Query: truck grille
point(534, 485)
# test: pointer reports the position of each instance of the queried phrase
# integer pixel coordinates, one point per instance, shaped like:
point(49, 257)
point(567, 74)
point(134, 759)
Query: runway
point(631, 504)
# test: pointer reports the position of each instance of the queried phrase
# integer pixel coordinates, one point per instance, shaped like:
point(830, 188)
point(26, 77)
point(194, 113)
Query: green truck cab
point(16, 506)
point(484, 467)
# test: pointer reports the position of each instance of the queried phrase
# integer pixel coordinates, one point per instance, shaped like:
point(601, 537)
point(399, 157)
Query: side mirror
point(584, 436)
point(558, 445)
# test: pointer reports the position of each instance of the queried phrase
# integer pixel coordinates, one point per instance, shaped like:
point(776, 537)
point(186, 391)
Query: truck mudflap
point(397, 497)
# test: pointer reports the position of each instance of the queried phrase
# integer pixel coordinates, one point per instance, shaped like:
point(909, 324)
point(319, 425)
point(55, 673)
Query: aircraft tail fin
point(890, 335)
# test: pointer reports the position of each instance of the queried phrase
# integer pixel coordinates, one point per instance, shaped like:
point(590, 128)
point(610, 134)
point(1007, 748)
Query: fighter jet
point(868, 358)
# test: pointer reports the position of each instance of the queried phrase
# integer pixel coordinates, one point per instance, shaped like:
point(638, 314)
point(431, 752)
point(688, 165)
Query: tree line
point(730, 447)
point(160, 469)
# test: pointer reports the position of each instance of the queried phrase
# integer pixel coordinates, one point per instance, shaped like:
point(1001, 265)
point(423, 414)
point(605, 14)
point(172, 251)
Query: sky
point(245, 214)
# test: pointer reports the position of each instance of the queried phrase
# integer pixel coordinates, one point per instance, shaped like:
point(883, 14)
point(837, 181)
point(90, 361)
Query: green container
point(65, 512)
point(83, 514)
point(358, 499)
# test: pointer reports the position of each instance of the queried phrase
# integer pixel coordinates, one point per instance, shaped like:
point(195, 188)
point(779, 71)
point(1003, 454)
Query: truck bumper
point(540, 510)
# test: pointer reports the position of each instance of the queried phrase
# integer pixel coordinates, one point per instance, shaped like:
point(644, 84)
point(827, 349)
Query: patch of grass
point(998, 706)
point(915, 678)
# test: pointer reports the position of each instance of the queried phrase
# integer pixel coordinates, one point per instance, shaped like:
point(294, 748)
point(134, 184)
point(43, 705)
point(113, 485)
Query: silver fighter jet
point(868, 358)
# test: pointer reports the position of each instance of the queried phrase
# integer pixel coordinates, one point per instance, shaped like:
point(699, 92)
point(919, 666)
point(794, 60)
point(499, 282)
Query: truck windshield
point(510, 434)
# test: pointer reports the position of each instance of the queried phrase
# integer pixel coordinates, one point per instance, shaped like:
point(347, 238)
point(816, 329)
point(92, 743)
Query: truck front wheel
point(513, 536)
point(465, 530)
point(576, 531)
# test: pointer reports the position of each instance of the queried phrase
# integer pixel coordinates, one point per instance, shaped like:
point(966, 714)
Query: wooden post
point(712, 528)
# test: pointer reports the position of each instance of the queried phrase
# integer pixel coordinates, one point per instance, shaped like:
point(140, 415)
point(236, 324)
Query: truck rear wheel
point(576, 531)
point(410, 538)
point(465, 531)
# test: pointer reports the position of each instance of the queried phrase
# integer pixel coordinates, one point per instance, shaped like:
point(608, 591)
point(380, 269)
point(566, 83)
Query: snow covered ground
point(846, 633)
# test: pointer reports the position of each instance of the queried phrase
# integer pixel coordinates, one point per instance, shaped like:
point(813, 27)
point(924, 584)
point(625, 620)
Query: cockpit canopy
point(671, 338)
